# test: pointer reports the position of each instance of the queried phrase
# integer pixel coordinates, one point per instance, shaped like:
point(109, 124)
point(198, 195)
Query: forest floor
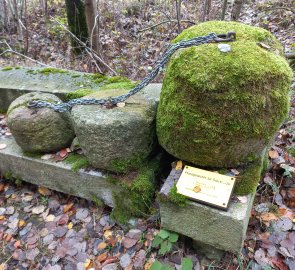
point(44, 229)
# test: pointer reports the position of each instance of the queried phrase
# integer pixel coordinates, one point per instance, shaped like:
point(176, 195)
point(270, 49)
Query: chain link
point(112, 101)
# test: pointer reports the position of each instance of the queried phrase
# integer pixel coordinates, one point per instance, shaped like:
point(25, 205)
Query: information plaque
point(208, 187)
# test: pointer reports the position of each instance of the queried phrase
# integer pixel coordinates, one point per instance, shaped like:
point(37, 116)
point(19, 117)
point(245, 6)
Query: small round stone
point(39, 130)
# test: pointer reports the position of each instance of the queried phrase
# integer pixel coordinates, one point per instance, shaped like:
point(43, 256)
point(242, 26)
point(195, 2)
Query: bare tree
point(206, 10)
point(236, 10)
point(77, 22)
point(224, 7)
point(92, 19)
point(178, 12)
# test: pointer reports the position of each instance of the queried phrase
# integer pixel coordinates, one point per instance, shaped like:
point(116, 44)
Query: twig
point(89, 51)
point(10, 50)
point(163, 22)
point(283, 8)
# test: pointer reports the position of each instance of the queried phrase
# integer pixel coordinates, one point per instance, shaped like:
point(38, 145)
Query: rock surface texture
point(39, 130)
point(121, 138)
point(221, 109)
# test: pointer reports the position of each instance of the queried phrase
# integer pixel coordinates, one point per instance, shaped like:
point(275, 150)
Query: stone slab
point(16, 82)
point(55, 175)
point(207, 226)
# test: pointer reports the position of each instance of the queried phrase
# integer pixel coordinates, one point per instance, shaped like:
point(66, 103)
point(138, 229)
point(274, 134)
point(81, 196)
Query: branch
point(282, 8)
point(10, 50)
point(163, 22)
point(89, 51)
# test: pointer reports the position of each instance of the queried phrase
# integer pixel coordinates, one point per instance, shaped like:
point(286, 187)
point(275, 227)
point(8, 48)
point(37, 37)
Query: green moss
point(7, 68)
point(50, 70)
point(76, 76)
point(98, 202)
point(17, 67)
point(244, 33)
point(136, 194)
point(177, 198)
point(2, 111)
point(248, 179)
point(32, 155)
point(8, 175)
point(77, 161)
point(128, 164)
point(79, 93)
point(221, 109)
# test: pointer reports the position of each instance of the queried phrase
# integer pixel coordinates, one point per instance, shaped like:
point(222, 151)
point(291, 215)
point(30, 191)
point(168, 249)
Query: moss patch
point(128, 164)
point(221, 109)
point(32, 155)
point(79, 93)
point(77, 161)
point(244, 33)
point(50, 70)
point(7, 68)
point(174, 197)
point(137, 192)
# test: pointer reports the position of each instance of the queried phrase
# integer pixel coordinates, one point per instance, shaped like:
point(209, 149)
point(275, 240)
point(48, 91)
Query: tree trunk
point(237, 8)
point(206, 11)
point(224, 6)
point(92, 23)
point(77, 22)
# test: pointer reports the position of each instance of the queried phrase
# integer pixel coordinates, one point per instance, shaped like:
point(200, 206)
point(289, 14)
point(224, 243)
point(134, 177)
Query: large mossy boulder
point(122, 138)
point(39, 130)
point(222, 109)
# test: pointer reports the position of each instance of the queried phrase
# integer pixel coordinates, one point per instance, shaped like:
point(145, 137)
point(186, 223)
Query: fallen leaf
point(17, 244)
point(63, 153)
point(102, 257)
point(70, 225)
point(21, 223)
point(178, 165)
point(38, 209)
point(44, 191)
point(107, 234)
point(102, 245)
point(273, 154)
point(3, 146)
point(67, 207)
point(267, 217)
point(87, 263)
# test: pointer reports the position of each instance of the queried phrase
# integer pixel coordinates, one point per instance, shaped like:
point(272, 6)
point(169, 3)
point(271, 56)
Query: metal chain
point(66, 106)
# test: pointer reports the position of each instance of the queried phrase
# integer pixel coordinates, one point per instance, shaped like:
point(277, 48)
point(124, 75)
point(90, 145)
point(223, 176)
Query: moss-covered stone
point(136, 193)
point(39, 130)
point(222, 109)
point(118, 139)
